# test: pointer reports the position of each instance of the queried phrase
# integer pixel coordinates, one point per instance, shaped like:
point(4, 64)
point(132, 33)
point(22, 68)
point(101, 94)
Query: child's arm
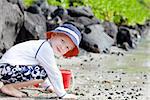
point(46, 58)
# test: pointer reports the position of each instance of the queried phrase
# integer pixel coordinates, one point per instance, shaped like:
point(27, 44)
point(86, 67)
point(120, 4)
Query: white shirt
point(36, 52)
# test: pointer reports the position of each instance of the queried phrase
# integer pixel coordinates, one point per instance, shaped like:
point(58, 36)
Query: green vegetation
point(128, 12)
point(63, 3)
point(28, 2)
point(120, 11)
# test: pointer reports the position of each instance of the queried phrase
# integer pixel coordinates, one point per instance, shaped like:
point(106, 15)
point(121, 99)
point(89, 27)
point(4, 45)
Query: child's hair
point(72, 32)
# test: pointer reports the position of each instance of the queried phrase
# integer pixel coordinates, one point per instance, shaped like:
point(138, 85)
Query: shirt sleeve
point(46, 58)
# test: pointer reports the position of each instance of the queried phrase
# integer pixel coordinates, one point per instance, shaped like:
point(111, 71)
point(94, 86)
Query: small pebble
point(85, 60)
point(110, 71)
point(117, 93)
point(111, 93)
point(99, 94)
point(94, 94)
point(106, 89)
point(129, 93)
point(143, 82)
point(82, 94)
point(145, 76)
point(91, 59)
point(140, 89)
point(122, 86)
point(122, 93)
point(76, 93)
point(103, 82)
point(119, 53)
point(132, 89)
point(109, 98)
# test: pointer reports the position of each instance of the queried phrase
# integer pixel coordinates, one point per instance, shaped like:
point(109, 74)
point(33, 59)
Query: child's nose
point(65, 49)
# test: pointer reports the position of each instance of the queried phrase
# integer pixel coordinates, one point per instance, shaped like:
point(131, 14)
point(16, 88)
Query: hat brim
point(71, 53)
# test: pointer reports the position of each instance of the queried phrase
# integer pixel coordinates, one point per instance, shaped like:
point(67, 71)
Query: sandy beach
point(119, 75)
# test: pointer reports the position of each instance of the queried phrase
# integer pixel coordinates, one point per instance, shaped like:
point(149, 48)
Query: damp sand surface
point(119, 75)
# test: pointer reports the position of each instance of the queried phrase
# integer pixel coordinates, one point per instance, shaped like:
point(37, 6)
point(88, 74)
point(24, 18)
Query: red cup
point(66, 75)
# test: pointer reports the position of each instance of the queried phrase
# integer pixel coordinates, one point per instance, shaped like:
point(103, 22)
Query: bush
point(129, 12)
point(63, 3)
point(120, 11)
point(28, 2)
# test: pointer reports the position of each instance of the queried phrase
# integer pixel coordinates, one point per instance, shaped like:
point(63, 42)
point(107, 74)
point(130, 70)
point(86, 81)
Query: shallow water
point(135, 60)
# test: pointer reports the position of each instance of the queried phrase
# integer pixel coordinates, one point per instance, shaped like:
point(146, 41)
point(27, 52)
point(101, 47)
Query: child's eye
point(62, 40)
point(67, 47)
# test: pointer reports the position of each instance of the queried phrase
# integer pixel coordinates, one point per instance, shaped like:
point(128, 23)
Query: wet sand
point(120, 75)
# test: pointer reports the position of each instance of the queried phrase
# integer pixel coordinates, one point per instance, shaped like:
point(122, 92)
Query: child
point(30, 62)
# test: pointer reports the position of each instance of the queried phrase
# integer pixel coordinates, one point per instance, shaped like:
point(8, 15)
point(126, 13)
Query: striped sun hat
point(74, 34)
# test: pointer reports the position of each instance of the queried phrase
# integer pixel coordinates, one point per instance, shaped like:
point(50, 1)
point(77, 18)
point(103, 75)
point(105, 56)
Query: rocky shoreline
point(20, 23)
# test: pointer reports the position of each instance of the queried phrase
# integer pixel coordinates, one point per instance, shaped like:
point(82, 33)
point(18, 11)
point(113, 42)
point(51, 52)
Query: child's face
point(61, 44)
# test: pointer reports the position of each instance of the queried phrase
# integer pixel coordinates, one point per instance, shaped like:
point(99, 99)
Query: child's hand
point(70, 97)
point(50, 89)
